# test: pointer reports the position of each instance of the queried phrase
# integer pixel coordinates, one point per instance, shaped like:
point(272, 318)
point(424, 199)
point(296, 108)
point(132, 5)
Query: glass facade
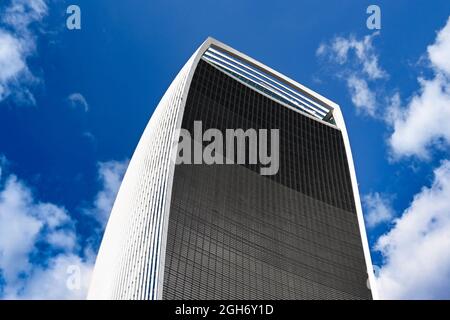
point(234, 234)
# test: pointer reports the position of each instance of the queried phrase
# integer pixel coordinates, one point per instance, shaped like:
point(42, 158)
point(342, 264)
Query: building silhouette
point(224, 231)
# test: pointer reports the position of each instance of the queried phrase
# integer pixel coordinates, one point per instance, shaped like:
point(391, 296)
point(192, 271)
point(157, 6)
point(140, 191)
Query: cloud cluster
point(378, 209)
point(110, 175)
point(416, 128)
point(359, 53)
point(26, 227)
point(422, 124)
point(77, 100)
point(358, 64)
point(362, 97)
point(17, 44)
point(39, 246)
point(417, 249)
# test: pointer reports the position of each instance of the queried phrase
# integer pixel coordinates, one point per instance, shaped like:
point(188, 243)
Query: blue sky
point(73, 104)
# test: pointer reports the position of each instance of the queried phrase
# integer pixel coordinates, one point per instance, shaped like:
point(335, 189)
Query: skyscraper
point(226, 231)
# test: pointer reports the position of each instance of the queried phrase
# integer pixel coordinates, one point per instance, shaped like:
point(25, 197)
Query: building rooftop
point(268, 81)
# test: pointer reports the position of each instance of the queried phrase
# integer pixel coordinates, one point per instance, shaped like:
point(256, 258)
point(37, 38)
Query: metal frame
point(262, 81)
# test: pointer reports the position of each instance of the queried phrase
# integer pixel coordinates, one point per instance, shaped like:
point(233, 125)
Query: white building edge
point(130, 263)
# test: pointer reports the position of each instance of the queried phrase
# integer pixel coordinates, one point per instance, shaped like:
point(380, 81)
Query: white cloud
point(62, 239)
point(424, 122)
point(17, 44)
point(393, 109)
point(439, 52)
point(321, 50)
point(53, 281)
point(358, 64)
point(22, 13)
point(378, 209)
point(417, 248)
point(360, 51)
point(25, 223)
point(77, 100)
point(362, 97)
point(18, 229)
point(11, 61)
point(110, 175)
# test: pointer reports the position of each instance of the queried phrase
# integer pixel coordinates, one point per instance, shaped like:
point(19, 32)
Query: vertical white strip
point(130, 263)
point(362, 229)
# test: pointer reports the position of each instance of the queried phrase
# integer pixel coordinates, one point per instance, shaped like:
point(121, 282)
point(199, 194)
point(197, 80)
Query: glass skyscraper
point(224, 231)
